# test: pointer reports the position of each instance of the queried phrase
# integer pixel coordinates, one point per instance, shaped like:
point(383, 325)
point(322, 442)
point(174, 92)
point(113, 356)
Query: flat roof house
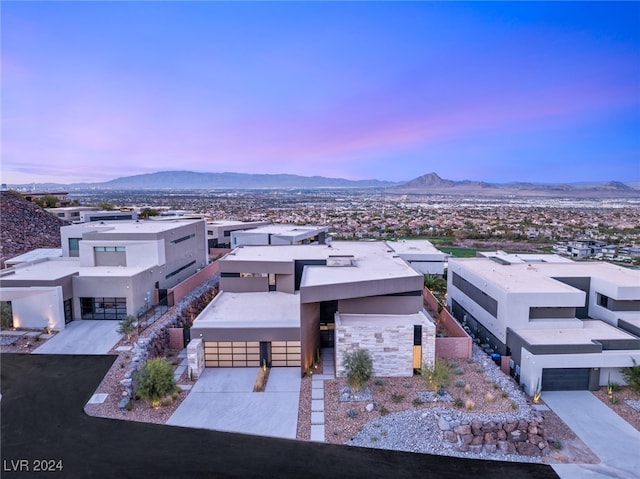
point(219, 231)
point(279, 235)
point(565, 325)
point(107, 270)
point(421, 255)
point(280, 304)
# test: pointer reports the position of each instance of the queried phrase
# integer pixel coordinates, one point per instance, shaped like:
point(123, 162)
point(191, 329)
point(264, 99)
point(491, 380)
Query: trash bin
point(497, 358)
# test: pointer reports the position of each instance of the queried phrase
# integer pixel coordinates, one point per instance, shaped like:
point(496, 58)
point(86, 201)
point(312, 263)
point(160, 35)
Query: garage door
point(285, 353)
point(231, 354)
point(242, 354)
point(567, 379)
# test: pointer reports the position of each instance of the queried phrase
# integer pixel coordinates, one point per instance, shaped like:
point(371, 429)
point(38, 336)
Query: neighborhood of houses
point(287, 291)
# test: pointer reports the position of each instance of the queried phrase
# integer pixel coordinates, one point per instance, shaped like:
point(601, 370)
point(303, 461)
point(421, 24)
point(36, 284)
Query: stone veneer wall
point(524, 437)
point(390, 346)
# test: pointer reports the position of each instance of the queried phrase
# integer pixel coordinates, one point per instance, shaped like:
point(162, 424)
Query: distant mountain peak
point(430, 180)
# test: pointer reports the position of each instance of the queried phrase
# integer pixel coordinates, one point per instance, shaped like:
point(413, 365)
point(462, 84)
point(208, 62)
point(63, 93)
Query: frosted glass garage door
point(231, 354)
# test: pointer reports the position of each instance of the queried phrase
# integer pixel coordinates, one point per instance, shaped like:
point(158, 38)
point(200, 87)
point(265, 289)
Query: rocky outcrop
point(25, 226)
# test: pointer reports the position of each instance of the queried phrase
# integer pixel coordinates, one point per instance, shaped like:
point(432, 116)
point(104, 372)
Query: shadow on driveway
point(42, 418)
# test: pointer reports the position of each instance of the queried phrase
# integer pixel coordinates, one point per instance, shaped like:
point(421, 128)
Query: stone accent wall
point(390, 346)
point(428, 343)
point(195, 357)
point(525, 437)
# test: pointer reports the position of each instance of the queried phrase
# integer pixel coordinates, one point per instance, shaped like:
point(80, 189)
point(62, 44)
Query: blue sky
point(543, 92)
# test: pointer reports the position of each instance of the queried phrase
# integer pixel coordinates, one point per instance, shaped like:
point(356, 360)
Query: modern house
point(279, 235)
point(564, 325)
point(107, 270)
point(279, 304)
point(219, 231)
point(421, 255)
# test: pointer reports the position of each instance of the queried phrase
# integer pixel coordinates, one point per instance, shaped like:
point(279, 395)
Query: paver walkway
point(317, 394)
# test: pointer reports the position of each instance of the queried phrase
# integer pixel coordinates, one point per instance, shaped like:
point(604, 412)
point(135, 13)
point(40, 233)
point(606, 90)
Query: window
point(181, 268)
point(103, 308)
point(109, 249)
point(603, 300)
point(417, 335)
point(74, 246)
point(184, 238)
point(68, 310)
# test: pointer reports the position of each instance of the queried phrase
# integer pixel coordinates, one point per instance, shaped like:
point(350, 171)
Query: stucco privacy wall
point(389, 342)
point(37, 307)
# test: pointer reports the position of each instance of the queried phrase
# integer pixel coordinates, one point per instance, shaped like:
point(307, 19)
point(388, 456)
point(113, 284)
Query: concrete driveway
point(610, 437)
point(223, 399)
point(83, 337)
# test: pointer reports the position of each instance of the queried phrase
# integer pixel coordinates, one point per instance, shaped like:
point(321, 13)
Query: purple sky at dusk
point(542, 92)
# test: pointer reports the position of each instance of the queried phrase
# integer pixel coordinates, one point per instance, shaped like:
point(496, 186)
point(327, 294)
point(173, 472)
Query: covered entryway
point(567, 379)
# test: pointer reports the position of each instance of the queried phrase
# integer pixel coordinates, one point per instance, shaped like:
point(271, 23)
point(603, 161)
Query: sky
point(499, 92)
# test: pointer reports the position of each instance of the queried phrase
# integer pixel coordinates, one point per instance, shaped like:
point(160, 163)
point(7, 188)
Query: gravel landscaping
point(406, 416)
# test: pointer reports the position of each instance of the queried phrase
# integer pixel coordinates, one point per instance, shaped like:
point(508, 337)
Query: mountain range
point(430, 183)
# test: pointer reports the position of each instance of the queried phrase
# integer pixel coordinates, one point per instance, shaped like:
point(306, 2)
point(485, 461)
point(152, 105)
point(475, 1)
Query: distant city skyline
point(498, 92)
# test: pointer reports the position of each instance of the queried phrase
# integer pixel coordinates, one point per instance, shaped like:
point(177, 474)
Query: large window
point(103, 308)
point(74, 247)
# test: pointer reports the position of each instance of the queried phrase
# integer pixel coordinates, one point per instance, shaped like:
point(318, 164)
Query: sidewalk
point(612, 439)
point(317, 395)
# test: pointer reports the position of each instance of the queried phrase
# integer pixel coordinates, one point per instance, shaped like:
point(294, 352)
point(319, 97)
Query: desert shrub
point(505, 394)
point(155, 381)
point(437, 374)
point(631, 375)
point(556, 444)
point(458, 402)
point(489, 397)
point(127, 326)
point(459, 383)
point(383, 411)
point(514, 405)
point(467, 388)
point(397, 397)
point(352, 413)
point(378, 382)
point(417, 402)
point(359, 367)
point(458, 371)
point(469, 405)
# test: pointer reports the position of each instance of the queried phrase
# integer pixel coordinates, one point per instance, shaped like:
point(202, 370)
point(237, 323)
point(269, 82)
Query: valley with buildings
point(517, 299)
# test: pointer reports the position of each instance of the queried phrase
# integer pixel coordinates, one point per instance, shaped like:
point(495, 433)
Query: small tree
point(127, 326)
point(147, 212)
point(359, 367)
point(631, 375)
point(435, 284)
point(437, 374)
point(155, 381)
